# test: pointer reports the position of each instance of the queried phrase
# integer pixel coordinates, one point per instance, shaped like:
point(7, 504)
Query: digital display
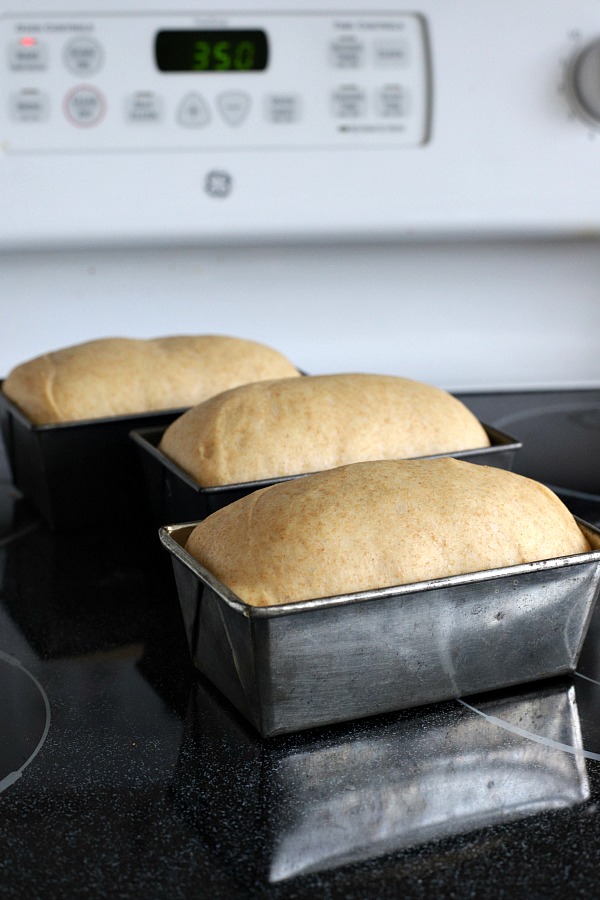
point(211, 51)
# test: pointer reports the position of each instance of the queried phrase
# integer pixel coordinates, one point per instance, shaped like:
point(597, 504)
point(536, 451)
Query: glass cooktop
point(123, 773)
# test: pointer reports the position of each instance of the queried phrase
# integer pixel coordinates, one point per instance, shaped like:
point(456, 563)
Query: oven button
point(347, 53)
point(84, 106)
point(349, 102)
point(282, 109)
point(392, 102)
point(83, 56)
point(193, 111)
point(234, 106)
point(143, 106)
point(29, 105)
point(391, 54)
point(27, 55)
point(585, 82)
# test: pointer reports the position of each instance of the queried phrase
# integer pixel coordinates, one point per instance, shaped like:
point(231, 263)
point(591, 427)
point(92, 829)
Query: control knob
point(585, 82)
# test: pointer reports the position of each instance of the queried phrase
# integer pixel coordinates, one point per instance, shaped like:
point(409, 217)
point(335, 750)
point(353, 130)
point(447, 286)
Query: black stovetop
point(124, 774)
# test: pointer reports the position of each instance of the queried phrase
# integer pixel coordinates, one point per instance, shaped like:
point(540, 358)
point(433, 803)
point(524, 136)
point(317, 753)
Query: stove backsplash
point(489, 315)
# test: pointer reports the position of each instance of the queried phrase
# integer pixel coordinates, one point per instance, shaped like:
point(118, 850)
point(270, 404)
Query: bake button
point(193, 111)
point(391, 54)
point(349, 103)
point(29, 105)
point(84, 106)
point(392, 102)
point(143, 106)
point(83, 56)
point(283, 109)
point(234, 106)
point(27, 55)
point(347, 54)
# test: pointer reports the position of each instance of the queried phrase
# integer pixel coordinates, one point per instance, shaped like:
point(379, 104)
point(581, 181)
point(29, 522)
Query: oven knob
point(585, 82)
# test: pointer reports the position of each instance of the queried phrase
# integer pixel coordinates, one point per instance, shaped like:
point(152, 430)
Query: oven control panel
point(132, 124)
point(147, 83)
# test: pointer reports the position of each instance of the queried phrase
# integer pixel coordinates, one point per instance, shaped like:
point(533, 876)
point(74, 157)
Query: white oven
point(405, 189)
point(409, 189)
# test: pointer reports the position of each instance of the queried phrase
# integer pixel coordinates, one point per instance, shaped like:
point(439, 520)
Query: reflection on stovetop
point(318, 800)
point(122, 772)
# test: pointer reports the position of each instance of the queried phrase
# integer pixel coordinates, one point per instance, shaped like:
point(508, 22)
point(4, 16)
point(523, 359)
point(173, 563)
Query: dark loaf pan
point(175, 496)
point(77, 473)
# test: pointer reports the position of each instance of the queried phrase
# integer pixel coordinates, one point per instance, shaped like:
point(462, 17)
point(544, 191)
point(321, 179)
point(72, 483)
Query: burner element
point(560, 445)
point(25, 717)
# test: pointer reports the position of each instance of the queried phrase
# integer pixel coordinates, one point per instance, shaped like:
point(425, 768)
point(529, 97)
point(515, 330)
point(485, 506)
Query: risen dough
point(291, 426)
point(378, 524)
point(120, 376)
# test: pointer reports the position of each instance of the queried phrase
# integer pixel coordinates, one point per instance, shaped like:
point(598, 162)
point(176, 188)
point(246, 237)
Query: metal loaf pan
point(177, 497)
point(75, 470)
point(317, 662)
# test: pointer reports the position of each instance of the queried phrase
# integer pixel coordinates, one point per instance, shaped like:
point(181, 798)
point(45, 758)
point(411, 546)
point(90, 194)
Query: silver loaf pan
point(175, 496)
point(334, 659)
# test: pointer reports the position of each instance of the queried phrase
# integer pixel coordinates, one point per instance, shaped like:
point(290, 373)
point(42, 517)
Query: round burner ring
point(27, 716)
point(560, 446)
point(538, 738)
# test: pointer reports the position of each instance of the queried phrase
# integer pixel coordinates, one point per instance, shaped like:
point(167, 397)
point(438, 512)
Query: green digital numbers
point(227, 50)
point(201, 59)
point(223, 56)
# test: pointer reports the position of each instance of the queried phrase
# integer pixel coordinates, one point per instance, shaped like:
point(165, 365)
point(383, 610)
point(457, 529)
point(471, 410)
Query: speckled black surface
point(148, 784)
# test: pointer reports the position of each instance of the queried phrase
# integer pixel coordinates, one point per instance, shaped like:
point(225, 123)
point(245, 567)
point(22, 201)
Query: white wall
point(464, 316)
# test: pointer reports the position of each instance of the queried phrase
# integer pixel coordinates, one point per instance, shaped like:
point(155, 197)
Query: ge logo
point(218, 184)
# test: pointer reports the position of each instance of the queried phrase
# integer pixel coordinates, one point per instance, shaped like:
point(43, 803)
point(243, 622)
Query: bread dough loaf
point(288, 427)
point(121, 376)
point(378, 524)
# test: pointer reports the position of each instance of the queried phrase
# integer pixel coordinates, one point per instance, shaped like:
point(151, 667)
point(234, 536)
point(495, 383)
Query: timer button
point(586, 81)
point(84, 106)
point(193, 111)
point(234, 106)
point(83, 56)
